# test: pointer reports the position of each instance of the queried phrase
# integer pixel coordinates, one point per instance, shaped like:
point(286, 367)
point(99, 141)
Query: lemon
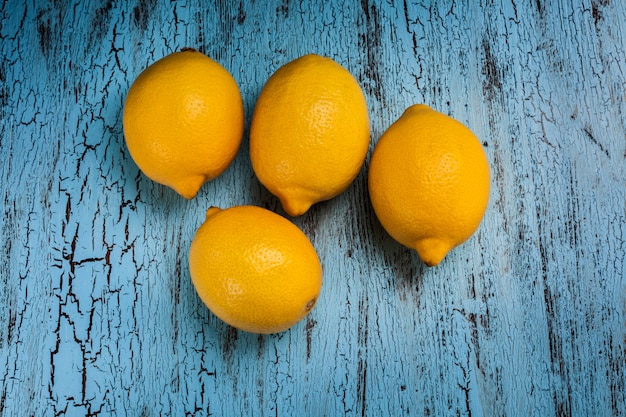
point(254, 269)
point(309, 132)
point(428, 181)
point(183, 121)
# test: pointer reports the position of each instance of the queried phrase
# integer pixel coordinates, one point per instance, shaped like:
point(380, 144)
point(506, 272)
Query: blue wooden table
point(98, 315)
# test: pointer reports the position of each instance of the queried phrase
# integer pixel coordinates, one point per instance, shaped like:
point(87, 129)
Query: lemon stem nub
point(212, 210)
point(309, 306)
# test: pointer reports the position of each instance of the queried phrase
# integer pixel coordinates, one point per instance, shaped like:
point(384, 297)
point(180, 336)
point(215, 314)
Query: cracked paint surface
point(98, 315)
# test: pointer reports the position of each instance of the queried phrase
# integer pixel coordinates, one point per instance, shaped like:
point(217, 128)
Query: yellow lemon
point(183, 121)
point(309, 133)
point(254, 269)
point(428, 181)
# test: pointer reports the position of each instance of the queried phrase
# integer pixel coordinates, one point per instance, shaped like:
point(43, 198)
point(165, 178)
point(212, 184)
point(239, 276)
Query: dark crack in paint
point(370, 42)
point(597, 12)
point(142, 12)
point(45, 35)
point(363, 333)
point(492, 84)
point(310, 324)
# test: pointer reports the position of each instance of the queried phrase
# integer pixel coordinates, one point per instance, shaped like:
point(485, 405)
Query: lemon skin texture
point(183, 121)
point(254, 269)
point(309, 133)
point(429, 182)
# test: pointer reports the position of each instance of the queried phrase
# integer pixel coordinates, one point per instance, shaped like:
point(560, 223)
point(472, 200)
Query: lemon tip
point(432, 250)
point(295, 207)
point(189, 187)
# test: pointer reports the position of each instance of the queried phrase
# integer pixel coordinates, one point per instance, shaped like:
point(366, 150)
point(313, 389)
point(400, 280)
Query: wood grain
point(97, 312)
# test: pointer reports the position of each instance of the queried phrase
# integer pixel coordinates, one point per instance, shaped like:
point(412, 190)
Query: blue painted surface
point(97, 312)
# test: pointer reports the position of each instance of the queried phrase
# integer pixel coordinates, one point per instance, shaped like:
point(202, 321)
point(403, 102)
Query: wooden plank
point(97, 312)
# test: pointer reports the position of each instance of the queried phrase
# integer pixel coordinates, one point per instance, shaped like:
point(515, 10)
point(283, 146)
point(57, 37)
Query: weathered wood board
point(97, 312)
